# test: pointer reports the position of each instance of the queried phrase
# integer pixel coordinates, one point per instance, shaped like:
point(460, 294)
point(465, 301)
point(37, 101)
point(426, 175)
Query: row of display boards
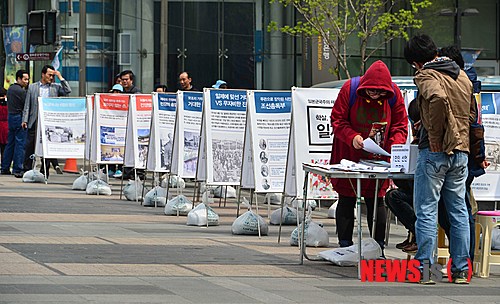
point(249, 138)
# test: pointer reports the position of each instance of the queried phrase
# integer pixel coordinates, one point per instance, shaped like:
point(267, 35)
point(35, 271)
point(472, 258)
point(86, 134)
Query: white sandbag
point(98, 175)
point(220, 191)
point(348, 256)
point(98, 187)
point(180, 204)
point(33, 176)
point(175, 182)
point(157, 195)
point(133, 190)
point(315, 235)
point(332, 211)
point(495, 239)
point(198, 216)
point(289, 216)
point(80, 183)
point(273, 198)
point(297, 203)
point(247, 224)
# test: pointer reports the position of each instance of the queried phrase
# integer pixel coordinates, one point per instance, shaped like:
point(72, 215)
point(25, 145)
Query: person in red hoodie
point(374, 107)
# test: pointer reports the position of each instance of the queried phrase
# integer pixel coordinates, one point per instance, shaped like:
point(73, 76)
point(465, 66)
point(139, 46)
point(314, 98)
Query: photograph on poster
point(191, 143)
point(227, 154)
point(493, 155)
point(166, 151)
point(264, 170)
point(263, 157)
point(265, 184)
point(112, 135)
point(143, 135)
point(61, 134)
point(112, 153)
point(262, 144)
point(143, 152)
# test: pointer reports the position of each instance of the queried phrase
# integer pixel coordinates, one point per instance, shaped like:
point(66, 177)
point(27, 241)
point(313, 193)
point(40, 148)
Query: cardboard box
point(404, 156)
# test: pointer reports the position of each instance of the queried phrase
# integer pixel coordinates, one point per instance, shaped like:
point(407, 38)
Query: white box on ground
point(404, 156)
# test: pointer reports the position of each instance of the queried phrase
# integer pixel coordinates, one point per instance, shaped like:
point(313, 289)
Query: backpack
point(476, 144)
point(354, 87)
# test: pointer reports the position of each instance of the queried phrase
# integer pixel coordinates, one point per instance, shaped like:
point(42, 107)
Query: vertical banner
point(187, 133)
point(138, 130)
point(224, 114)
point(487, 186)
point(266, 140)
point(109, 128)
point(162, 131)
point(13, 41)
point(310, 140)
point(89, 115)
point(62, 126)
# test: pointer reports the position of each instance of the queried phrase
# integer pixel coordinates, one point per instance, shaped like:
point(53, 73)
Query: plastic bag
point(80, 183)
point(157, 195)
point(174, 182)
point(133, 190)
point(220, 191)
point(348, 256)
point(198, 216)
point(98, 187)
point(180, 204)
point(273, 198)
point(315, 235)
point(289, 216)
point(332, 211)
point(33, 176)
point(247, 224)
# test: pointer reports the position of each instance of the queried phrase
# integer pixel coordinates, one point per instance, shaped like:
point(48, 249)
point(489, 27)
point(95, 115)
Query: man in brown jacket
point(444, 100)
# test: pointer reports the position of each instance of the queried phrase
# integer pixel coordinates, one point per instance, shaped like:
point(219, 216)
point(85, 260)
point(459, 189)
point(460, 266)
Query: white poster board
point(187, 134)
point(138, 130)
point(310, 141)
point(61, 125)
point(89, 115)
point(162, 132)
point(224, 114)
point(267, 133)
point(109, 128)
point(487, 186)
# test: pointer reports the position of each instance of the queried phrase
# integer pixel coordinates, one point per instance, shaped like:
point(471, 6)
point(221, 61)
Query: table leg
point(375, 206)
point(358, 204)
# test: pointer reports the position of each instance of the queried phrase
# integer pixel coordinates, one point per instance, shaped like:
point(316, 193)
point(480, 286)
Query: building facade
point(225, 39)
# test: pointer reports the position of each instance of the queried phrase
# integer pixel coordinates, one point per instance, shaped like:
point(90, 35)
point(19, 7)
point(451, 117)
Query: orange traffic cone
point(71, 166)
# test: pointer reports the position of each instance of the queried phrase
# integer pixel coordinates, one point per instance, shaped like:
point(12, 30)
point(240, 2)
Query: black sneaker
point(403, 243)
point(425, 281)
point(460, 277)
point(7, 172)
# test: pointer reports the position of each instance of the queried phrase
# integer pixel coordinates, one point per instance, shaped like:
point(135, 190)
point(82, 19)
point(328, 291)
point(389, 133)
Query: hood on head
point(376, 77)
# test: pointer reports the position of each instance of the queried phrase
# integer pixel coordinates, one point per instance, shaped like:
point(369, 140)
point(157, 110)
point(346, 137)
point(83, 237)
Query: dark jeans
point(345, 219)
point(401, 205)
point(16, 139)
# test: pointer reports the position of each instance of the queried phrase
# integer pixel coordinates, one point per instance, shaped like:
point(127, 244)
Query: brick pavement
point(62, 246)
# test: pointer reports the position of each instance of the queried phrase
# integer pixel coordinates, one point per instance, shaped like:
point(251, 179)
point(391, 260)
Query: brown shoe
point(411, 248)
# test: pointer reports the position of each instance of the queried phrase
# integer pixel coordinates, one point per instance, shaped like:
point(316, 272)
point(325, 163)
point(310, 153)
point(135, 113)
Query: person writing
point(375, 100)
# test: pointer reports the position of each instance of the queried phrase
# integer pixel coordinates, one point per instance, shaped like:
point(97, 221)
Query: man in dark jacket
point(128, 82)
point(14, 151)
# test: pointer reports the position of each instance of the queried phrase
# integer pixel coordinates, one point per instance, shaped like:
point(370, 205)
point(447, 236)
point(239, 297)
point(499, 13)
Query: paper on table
point(370, 146)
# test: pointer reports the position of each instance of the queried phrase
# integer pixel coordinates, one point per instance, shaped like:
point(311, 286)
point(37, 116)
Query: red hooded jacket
point(349, 122)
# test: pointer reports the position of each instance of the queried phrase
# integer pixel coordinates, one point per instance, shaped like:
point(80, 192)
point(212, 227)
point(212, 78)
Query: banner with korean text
point(310, 141)
point(138, 131)
point(187, 134)
point(267, 133)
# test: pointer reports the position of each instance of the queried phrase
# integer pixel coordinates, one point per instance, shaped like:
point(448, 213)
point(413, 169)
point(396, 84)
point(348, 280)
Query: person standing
point(45, 87)
point(4, 125)
point(14, 151)
point(128, 82)
point(444, 99)
point(185, 82)
point(351, 124)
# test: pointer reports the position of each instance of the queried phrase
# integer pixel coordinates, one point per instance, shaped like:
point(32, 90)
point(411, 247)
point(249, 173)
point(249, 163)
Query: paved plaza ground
point(63, 246)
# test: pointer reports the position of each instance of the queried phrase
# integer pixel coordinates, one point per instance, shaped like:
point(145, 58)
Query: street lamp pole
point(458, 26)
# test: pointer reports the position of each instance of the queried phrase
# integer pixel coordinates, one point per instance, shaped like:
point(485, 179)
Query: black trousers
point(345, 219)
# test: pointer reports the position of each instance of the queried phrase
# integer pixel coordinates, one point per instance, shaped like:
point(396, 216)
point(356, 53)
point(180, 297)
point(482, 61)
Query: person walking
point(45, 87)
point(376, 101)
point(444, 99)
point(16, 138)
